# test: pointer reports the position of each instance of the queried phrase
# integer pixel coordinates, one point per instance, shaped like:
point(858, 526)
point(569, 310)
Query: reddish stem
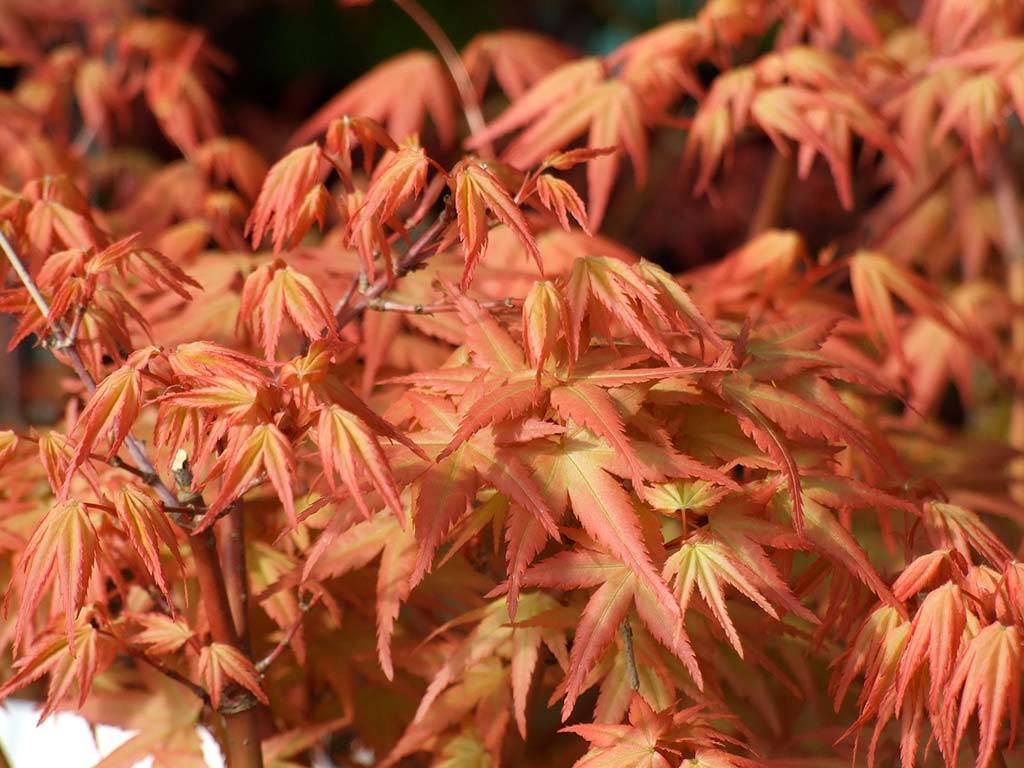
point(263, 664)
point(231, 538)
point(892, 227)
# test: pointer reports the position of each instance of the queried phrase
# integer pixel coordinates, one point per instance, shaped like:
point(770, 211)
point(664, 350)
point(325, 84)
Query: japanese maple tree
point(378, 449)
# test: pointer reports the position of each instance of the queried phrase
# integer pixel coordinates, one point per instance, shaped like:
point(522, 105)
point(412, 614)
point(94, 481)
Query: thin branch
point(83, 140)
point(263, 664)
point(134, 447)
point(456, 67)
point(386, 305)
point(172, 674)
point(114, 461)
point(175, 676)
point(25, 277)
point(359, 283)
point(418, 253)
point(427, 200)
point(118, 463)
point(346, 297)
point(76, 325)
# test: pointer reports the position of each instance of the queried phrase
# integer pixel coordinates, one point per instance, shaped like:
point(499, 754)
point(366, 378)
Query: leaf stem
point(418, 253)
point(263, 664)
point(172, 674)
point(455, 65)
point(892, 227)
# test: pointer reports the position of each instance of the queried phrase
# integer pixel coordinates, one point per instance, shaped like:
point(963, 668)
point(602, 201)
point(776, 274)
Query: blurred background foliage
point(291, 56)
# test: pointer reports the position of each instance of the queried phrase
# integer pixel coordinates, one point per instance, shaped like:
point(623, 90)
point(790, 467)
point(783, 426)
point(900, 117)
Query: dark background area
point(291, 56)
point(319, 47)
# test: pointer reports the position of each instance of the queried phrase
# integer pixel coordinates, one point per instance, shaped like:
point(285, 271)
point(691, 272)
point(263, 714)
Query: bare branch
point(286, 639)
point(386, 305)
point(172, 674)
point(418, 252)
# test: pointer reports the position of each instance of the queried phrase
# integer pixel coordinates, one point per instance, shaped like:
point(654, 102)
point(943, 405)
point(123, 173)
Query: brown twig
point(177, 677)
point(243, 743)
point(118, 463)
point(263, 664)
point(386, 305)
point(418, 253)
point(455, 65)
point(172, 674)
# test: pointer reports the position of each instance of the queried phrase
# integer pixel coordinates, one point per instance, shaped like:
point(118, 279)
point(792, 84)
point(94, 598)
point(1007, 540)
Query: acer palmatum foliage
point(381, 448)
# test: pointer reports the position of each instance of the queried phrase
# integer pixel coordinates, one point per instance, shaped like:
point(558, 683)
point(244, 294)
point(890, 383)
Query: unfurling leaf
point(112, 408)
point(263, 447)
point(545, 317)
